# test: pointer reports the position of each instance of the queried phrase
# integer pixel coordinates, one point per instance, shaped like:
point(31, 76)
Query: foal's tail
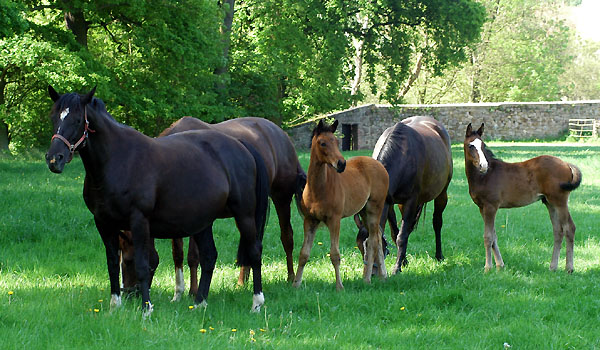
point(300, 184)
point(575, 180)
point(262, 202)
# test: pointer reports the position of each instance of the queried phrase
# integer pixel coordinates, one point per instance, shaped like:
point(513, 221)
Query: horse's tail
point(300, 184)
point(262, 200)
point(575, 180)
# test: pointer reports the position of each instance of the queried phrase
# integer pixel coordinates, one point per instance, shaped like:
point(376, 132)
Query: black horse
point(416, 153)
point(167, 187)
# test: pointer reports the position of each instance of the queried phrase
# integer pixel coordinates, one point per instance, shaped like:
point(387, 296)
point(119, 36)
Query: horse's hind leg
point(249, 254)
point(282, 206)
point(205, 244)
point(490, 239)
point(563, 226)
point(409, 219)
point(439, 205)
point(177, 252)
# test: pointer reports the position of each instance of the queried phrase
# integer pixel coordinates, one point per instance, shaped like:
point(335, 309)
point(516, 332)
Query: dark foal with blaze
point(168, 187)
point(336, 189)
point(496, 184)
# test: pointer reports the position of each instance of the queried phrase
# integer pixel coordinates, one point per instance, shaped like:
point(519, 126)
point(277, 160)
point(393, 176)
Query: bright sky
point(587, 19)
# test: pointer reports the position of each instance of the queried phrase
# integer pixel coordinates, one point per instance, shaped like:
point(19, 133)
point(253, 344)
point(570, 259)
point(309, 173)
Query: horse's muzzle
point(56, 162)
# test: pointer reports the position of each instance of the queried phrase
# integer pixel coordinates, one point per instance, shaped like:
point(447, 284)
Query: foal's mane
point(489, 155)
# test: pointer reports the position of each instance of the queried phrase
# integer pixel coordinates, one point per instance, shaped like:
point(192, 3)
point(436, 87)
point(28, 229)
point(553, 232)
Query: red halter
point(73, 147)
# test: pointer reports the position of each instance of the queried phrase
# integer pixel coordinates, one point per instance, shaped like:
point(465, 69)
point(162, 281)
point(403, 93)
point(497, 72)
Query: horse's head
point(70, 126)
point(325, 146)
point(474, 149)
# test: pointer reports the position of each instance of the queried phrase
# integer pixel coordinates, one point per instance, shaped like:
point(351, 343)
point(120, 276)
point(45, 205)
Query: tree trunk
point(77, 24)
point(228, 6)
point(359, 47)
point(413, 77)
point(4, 139)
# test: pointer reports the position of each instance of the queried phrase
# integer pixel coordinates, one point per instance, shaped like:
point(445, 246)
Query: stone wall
point(503, 121)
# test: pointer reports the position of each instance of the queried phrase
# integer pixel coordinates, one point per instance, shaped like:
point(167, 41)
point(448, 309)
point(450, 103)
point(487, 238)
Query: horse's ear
point(334, 126)
point(480, 130)
point(469, 130)
point(88, 97)
point(53, 94)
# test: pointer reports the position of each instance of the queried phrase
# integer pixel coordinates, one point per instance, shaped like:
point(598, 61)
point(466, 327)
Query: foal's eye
point(323, 144)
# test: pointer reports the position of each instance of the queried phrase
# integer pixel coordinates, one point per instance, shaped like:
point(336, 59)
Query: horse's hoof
point(202, 304)
point(147, 310)
point(115, 301)
point(257, 301)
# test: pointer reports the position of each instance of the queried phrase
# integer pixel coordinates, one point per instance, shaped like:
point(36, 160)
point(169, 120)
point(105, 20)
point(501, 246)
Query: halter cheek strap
point(73, 147)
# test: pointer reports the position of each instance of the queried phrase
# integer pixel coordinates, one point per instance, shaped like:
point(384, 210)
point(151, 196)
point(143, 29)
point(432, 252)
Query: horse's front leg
point(140, 231)
point(205, 245)
point(110, 238)
point(490, 240)
point(333, 224)
point(310, 228)
point(177, 252)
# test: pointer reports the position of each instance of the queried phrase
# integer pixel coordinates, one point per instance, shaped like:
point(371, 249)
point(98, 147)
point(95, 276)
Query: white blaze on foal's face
point(483, 163)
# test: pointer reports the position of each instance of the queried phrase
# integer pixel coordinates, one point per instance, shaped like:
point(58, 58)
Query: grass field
point(54, 290)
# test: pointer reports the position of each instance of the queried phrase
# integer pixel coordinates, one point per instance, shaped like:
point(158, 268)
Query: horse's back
point(185, 124)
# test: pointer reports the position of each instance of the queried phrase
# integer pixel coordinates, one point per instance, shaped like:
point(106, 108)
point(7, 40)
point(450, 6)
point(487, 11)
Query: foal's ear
point(469, 130)
point(53, 94)
point(88, 97)
point(334, 126)
point(480, 130)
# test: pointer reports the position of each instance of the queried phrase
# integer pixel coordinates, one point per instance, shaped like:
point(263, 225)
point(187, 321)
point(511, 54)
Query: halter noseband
point(73, 147)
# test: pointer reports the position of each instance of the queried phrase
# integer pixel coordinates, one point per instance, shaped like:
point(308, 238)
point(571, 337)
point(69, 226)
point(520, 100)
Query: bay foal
point(336, 189)
point(496, 184)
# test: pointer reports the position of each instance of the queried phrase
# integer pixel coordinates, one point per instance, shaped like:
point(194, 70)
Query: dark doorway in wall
point(350, 140)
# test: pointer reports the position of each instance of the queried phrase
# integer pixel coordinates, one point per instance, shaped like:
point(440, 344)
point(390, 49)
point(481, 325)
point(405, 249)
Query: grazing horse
point(496, 184)
point(416, 154)
point(167, 187)
point(286, 179)
point(336, 189)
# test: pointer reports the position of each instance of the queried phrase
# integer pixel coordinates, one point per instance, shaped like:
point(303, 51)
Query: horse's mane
point(489, 155)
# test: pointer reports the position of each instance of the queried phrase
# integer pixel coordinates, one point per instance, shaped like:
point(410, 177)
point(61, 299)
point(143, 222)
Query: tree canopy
point(156, 61)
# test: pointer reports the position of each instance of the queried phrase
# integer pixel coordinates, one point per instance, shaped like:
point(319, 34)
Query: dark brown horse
point(496, 184)
point(168, 187)
point(336, 189)
point(286, 178)
point(416, 153)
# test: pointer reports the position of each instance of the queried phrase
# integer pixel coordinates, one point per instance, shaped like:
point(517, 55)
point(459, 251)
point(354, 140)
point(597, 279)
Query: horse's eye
point(323, 144)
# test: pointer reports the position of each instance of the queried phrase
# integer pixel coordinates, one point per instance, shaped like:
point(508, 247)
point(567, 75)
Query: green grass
point(53, 262)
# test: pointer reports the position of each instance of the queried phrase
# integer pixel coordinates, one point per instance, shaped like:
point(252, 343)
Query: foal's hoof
point(257, 301)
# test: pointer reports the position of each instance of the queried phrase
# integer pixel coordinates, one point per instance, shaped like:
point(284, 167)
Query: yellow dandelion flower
point(10, 292)
point(263, 330)
point(252, 332)
point(402, 308)
point(203, 330)
point(252, 339)
point(191, 307)
point(234, 330)
point(328, 255)
point(502, 225)
point(96, 310)
point(355, 247)
point(212, 329)
point(100, 300)
point(320, 243)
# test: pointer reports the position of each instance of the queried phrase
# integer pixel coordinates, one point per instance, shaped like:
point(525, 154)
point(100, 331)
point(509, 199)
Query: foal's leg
point(110, 237)
point(333, 225)
point(490, 240)
point(282, 204)
point(375, 213)
point(439, 205)
point(205, 244)
point(568, 229)
point(558, 235)
point(310, 228)
point(177, 251)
